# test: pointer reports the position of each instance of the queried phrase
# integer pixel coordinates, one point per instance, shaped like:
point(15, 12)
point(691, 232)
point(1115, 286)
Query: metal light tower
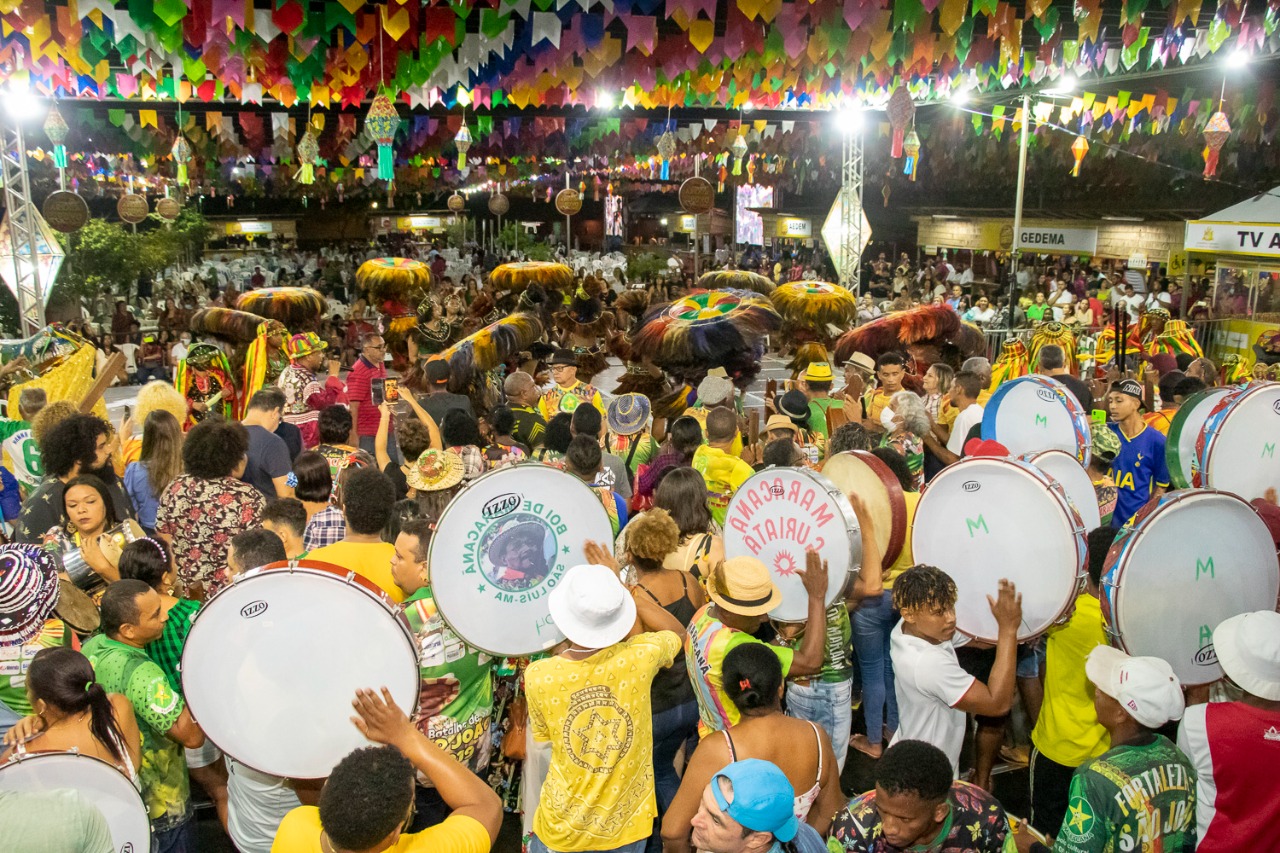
point(851, 190)
point(24, 222)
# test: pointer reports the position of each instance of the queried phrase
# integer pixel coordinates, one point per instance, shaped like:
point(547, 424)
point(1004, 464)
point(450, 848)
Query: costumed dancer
point(204, 380)
point(1176, 339)
point(1056, 334)
point(304, 394)
point(927, 334)
point(265, 360)
point(569, 391)
point(583, 323)
point(1151, 327)
point(1106, 347)
point(814, 311)
point(1012, 363)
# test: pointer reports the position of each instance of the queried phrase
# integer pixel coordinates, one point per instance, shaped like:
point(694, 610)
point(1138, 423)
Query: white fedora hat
point(591, 607)
point(1248, 649)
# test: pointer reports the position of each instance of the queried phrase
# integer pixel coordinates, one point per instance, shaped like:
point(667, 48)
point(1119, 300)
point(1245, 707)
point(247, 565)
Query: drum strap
point(631, 454)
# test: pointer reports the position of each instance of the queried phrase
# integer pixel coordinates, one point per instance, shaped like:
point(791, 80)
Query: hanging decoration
point(667, 150)
point(308, 154)
point(902, 114)
point(181, 155)
point(1216, 133)
point(911, 146)
point(383, 120)
point(55, 127)
point(462, 141)
point(1079, 148)
point(739, 149)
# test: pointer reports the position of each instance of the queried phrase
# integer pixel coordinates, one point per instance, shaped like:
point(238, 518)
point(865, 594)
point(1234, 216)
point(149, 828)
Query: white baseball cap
point(1144, 686)
point(591, 607)
point(1248, 649)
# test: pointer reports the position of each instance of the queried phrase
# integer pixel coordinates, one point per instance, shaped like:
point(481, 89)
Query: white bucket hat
point(591, 607)
point(1248, 649)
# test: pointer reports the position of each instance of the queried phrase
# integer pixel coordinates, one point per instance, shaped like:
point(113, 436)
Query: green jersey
point(837, 657)
point(456, 691)
point(818, 413)
point(1132, 798)
point(121, 668)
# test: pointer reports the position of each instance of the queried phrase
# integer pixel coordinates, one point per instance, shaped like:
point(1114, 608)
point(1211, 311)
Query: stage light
point(21, 103)
point(1065, 86)
point(960, 97)
point(604, 100)
point(1238, 59)
point(849, 120)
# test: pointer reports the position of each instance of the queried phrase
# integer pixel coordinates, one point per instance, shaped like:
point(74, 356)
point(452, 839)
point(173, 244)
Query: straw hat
point(435, 470)
point(628, 414)
point(781, 422)
point(743, 585)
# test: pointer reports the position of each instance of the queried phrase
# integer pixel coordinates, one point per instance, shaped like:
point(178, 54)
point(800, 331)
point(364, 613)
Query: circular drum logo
point(518, 552)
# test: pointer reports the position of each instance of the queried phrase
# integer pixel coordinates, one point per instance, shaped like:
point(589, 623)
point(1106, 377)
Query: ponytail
point(102, 721)
point(63, 678)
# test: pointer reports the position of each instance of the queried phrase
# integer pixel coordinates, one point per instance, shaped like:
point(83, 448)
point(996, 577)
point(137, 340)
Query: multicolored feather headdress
point(926, 324)
point(1054, 333)
point(737, 280)
point(397, 279)
point(518, 276)
point(238, 327)
point(299, 308)
point(1176, 340)
point(1012, 363)
point(493, 345)
point(706, 329)
point(815, 304)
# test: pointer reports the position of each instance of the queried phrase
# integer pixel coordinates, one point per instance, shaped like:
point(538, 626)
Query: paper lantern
point(463, 143)
point(1079, 148)
point(739, 149)
point(308, 153)
point(667, 150)
point(1215, 136)
point(55, 127)
point(382, 120)
point(902, 114)
point(911, 146)
point(181, 154)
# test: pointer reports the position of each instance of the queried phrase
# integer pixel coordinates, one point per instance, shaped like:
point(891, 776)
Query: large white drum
point(1034, 413)
point(1184, 434)
point(1187, 561)
point(1237, 447)
point(986, 518)
point(857, 472)
point(502, 545)
point(94, 779)
point(1075, 481)
point(274, 660)
point(779, 514)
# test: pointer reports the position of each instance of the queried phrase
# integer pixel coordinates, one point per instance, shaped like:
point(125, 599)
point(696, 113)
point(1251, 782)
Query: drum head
point(502, 545)
point(273, 661)
point(1034, 413)
point(856, 472)
point(97, 781)
point(1187, 561)
point(779, 514)
point(986, 518)
point(1239, 440)
point(1075, 481)
point(76, 609)
point(1184, 432)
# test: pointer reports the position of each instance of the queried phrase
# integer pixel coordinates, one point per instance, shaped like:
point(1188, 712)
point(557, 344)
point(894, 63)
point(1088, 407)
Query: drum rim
point(1224, 410)
point(329, 571)
point(1031, 457)
point(1075, 526)
point(1078, 415)
point(1178, 423)
point(897, 538)
point(1118, 555)
point(454, 505)
point(29, 757)
point(846, 511)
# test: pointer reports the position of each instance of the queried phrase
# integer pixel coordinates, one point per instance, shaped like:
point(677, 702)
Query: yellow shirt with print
point(554, 402)
point(1067, 731)
point(724, 473)
point(699, 414)
point(595, 712)
point(370, 560)
point(300, 830)
point(906, 559)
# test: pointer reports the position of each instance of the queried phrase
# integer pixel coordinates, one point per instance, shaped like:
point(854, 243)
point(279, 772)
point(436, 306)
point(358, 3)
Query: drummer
point(28, 596)
point(1139, 469)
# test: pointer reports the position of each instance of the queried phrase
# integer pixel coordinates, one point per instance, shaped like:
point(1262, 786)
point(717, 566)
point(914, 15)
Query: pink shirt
point(359, 390)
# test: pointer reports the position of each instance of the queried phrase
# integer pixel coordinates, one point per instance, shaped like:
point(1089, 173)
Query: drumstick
point(753, 426)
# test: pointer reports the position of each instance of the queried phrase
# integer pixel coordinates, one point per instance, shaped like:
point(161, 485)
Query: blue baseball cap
point(763, 799)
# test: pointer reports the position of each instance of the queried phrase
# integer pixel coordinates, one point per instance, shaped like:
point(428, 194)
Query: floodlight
point(21, 103)
point(849, 120)
point(1065, 86)
point(960, 97)
point(1238, 59)
point(604, 99)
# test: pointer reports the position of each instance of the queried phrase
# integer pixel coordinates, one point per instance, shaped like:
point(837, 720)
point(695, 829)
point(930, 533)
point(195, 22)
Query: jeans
point(826, 703)
point(176, 839)
point(536, 846)
point(873, 622)
point(672, 728)
point(146, 374)
point(1031, 659)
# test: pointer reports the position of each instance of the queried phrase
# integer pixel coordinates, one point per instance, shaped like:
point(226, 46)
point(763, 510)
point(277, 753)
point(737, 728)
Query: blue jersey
point(1138, 469)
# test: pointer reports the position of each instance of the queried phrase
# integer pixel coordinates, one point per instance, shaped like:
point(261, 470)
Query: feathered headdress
point(257, 358)
point(1235, 370)
point(706, 329)
point(926, 324)
point(396, 279)
point(1011, 364)
point(237, 327)
point(518, 276)
point(298, 308)
point(815, 304)
point(737, 280)
point(1176, 340)
point(1055, 334)
point(493, 345)
point(807, 354)
point(1151, 319)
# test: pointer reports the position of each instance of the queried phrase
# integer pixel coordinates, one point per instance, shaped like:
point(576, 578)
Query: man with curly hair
point(80, 444)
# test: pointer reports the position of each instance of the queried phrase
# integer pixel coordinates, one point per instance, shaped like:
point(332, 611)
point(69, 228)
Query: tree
point(102, 257)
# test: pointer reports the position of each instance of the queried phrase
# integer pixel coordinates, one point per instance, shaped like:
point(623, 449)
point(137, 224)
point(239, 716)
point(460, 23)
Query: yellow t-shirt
point(299, 832)
point(905, 559)
point(370, 560)
point(1067, 730)
point(724, 474)
point(598, 793)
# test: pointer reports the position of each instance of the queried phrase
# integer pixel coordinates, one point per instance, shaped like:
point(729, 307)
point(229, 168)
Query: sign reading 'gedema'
point(1059, 240)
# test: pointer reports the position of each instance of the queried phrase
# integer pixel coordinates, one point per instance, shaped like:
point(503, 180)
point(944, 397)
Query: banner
point(1233, 238)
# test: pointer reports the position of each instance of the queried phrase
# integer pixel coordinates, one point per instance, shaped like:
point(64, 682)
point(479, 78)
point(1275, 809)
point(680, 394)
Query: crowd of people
point(706, 725)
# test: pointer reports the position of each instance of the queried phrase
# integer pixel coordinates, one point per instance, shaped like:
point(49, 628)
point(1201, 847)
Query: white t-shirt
point(929, 682)
point(130, 352)
point(178, 352)
point(963, 423)
point(256, 803)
